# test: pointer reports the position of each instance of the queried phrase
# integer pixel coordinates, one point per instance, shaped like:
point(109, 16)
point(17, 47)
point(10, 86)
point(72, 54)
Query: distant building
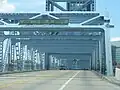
point(116, 51)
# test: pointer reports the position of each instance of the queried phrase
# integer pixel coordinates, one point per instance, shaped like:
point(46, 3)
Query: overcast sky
point(39, 6)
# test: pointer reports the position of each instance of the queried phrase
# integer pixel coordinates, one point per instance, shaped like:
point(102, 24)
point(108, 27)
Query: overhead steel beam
point(59, 37)
point(66, 49)
point(72, 56)
point(70, 53)
point(51, 28)
point(59, 41)
point(62, 45)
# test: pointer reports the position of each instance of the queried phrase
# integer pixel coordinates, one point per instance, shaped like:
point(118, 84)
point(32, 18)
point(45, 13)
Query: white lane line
point(66, 83)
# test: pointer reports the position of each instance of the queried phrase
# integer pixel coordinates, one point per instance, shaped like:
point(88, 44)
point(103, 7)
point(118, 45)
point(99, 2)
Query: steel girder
point(72, 56)
point(93, 43)
point(52, 37)
point(60, 41)
point(66, 50)
point(49, 28)
point(63, 45)
point(70, 53)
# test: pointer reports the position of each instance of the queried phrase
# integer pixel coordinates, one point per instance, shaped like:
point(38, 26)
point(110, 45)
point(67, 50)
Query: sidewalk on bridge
point(110, 79)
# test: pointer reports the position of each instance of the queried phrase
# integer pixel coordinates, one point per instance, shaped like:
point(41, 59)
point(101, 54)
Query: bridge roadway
point(55, 80)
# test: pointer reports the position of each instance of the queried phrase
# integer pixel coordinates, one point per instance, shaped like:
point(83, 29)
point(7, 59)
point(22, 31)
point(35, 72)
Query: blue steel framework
point(36, 47)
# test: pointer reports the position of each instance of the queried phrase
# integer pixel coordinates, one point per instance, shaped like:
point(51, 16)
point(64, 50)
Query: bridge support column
point(21, 57)
point(1, 55)
point(46, 61)
point(18, 56)
point(42, 60)
point(109, 69)
point(12, 57)
point(97, 59)
point(100, 56)
point(90, 62)
point(93, 60)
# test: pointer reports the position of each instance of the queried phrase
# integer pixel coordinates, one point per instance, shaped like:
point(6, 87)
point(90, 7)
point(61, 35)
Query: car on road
point(62, 68)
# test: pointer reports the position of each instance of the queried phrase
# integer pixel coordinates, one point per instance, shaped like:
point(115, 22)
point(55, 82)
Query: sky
point(39, 6)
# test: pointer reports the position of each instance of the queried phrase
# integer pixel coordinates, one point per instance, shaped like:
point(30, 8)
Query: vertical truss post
point(46, 61)
point(26, 61)
point(52, 7)
point(18, 56)
point(1, 55)
point(68, 6)
point(47, 5)
point(93, 5)
point(100, 56)
point(12, 56)
point(97, 58)
point(93, 60)
point(10, 64)
point(41, 60)
point(32, 59)
point(21, 57)
point(103, 55)
point(109, 69)
point(38, 61)
point(28, 58)
point(35, 59)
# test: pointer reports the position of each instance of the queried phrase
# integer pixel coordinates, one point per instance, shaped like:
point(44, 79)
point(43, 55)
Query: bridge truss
point(47, 46)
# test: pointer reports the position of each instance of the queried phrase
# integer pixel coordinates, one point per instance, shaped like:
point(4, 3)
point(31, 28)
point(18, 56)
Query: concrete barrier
point(110, 79)
point(13, 72)
point(117, 73)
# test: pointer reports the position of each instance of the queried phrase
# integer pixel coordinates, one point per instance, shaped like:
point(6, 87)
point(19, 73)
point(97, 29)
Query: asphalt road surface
point(55, 80)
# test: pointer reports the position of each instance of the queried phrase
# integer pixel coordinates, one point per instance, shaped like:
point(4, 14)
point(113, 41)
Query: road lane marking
point(67, 82)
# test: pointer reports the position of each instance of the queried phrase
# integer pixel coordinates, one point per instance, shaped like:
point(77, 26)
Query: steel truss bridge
point(83, 43)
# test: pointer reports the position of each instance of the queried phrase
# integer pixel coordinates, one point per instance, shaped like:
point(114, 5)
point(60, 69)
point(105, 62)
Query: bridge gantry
point(36, 41)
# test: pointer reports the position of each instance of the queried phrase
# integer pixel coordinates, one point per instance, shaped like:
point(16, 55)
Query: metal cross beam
point(70, 53)
point(73, 57)
point(58, 37)
point(50, 28)
point(59, 41)
point(66, 50)
point(62, 45)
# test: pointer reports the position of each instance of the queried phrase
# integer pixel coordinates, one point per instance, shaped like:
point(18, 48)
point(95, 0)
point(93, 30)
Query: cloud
point(6, 7)
point(29, 5)
point(115, 39)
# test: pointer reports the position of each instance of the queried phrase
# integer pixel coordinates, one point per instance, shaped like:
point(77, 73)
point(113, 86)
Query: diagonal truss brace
point(56, 5)
point(85, 4)
point(39, 15)
point(89, 20)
